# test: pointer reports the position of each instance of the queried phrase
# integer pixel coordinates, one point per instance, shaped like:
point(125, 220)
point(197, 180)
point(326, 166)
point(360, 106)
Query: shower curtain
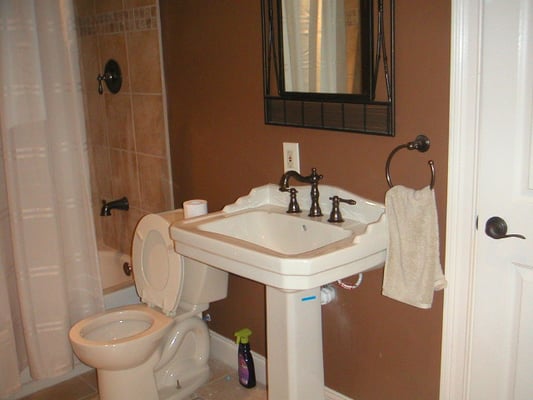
point(49, 275)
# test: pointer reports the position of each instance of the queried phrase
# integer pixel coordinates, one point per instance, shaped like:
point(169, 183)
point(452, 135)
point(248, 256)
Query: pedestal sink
point(293, 255)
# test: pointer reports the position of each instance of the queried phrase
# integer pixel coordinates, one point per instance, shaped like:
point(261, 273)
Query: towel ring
point(421, 143)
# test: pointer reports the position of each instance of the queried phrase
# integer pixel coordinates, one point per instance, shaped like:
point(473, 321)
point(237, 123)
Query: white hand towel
point(412, 270)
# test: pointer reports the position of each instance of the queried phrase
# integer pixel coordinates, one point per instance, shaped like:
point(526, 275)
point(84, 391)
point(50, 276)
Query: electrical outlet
point(291, 157)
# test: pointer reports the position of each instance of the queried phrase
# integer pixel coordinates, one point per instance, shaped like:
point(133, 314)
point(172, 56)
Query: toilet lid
point(157, 268)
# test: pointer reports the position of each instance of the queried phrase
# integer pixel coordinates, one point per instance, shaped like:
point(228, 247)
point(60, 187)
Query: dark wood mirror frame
point(371, 112)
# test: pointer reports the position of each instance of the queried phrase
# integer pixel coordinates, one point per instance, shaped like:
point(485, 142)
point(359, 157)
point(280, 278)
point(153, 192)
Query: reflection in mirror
point(323, 48)
point(329, 64)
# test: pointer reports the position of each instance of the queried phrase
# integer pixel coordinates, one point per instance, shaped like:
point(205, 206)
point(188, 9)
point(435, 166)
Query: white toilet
point(159, 349)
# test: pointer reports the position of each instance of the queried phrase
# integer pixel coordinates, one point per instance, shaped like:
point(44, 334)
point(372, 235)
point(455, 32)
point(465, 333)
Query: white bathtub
point(119, 288)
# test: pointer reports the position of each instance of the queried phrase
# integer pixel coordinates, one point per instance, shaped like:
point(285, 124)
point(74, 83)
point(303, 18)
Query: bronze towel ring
point(421, 143)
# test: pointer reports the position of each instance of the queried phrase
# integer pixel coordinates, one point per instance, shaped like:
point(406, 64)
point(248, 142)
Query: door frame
point(465, 66)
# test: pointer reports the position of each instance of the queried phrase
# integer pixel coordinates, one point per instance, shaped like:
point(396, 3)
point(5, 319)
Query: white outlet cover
point(291, 157)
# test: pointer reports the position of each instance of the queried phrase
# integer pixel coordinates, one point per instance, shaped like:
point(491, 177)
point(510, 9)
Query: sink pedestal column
point(294, 345)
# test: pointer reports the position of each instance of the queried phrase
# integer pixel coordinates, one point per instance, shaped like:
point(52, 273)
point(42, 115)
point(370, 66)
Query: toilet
point(158, 349)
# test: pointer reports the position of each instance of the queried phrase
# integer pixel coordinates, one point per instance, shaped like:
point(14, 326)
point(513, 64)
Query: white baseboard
point(225, 350)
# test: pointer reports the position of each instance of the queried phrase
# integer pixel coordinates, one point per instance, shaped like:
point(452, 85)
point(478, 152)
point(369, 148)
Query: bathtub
point(118, 288)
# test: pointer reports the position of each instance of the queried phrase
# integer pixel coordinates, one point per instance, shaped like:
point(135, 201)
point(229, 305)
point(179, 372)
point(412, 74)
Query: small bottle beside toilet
point(157, 350)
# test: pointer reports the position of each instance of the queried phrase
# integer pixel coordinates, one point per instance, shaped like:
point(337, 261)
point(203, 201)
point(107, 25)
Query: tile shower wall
point(126, 131)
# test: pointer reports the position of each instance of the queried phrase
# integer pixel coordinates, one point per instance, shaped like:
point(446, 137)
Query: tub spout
point(120, 204)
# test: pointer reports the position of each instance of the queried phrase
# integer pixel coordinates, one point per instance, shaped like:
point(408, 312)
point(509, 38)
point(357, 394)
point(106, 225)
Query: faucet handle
point(315, 176)
point(336, 215)
point(294, 207)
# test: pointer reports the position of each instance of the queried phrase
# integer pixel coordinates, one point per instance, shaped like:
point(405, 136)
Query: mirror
point(328, 64)
point(326, 46)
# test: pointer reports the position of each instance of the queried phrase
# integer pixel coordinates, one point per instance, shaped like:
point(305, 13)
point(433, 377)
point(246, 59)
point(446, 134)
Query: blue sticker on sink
point(308, 298)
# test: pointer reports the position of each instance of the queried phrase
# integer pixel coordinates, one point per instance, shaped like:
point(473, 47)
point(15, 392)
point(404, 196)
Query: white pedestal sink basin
point(293, 255)
point(255, 238)
point(271, 228)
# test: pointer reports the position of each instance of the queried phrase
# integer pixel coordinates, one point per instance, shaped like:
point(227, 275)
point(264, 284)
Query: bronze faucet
point(314, 210)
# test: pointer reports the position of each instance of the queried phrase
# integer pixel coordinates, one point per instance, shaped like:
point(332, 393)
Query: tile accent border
point(131, 20)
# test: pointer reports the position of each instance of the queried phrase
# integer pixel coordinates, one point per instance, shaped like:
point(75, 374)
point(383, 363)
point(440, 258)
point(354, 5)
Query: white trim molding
point(462, 200)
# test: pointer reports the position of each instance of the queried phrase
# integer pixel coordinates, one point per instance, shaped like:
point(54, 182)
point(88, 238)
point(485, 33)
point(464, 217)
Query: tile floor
point(223, 385)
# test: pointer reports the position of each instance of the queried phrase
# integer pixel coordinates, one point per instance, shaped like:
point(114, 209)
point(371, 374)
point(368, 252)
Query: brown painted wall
point(375, 348)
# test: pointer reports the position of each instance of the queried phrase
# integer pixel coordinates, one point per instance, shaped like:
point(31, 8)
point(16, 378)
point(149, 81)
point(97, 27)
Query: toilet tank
point(202, 284)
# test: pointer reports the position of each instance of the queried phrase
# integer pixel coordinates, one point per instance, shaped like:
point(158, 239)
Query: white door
point(488, 316)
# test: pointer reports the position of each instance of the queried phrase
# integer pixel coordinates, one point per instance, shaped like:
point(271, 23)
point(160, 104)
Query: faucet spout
point(119, 204)
point(313, 179)
point(284, 181)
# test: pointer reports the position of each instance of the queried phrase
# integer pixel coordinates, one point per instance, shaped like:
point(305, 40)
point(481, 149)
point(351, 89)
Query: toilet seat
point(157, 268)
point(94, 331)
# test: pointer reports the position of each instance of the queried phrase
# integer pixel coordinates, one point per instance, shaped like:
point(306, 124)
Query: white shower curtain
point(49, 275)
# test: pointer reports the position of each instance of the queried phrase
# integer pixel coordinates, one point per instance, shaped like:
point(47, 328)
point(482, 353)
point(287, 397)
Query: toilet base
point(139, 384)
point(132, 384)
point(183, 368)
point(193, 382)
point(173, 372)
